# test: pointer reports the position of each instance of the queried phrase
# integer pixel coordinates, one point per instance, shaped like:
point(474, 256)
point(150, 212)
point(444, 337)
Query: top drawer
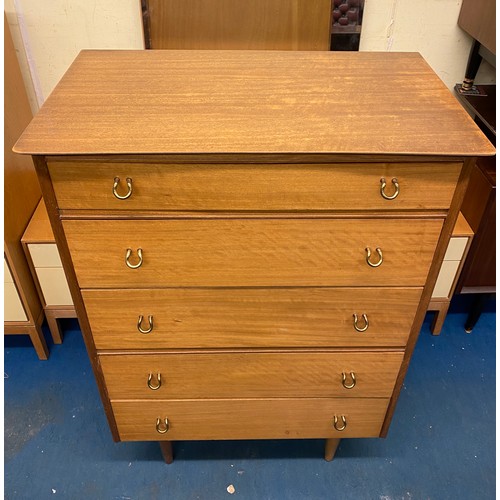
point(340, 186)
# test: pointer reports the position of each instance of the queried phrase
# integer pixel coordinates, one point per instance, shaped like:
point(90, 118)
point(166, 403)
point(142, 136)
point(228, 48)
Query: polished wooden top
point(199, 102)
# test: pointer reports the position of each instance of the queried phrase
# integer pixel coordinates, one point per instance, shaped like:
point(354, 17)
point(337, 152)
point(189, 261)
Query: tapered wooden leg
point(36, 335)
point(331, 446)
point(439, 317)
point(54, 327)
point(53, 314)
point(166, 450)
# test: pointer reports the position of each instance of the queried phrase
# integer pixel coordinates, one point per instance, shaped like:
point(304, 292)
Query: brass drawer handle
point(158, 385)
point(127, 257)
point(336, 421)
point(382, 189)
point(160, 427)
point(129, 185)
point(344, 379)
point(355, 322)
point(369, 254)
point(139, 324)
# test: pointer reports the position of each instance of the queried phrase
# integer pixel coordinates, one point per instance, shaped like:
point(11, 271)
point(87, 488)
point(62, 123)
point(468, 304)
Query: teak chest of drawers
point(251, 238)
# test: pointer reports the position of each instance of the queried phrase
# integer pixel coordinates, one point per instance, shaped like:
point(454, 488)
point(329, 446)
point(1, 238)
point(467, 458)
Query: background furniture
point(479, 207)
point(23, 312)
point(478, 19)
point(453, 262)
point(43, 257)
point(237, 24)
point(347, 18)
point(243, 272)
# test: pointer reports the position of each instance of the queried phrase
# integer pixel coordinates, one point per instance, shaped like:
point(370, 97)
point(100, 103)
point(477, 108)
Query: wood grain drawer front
point(88, 185)
point(274, 317)
point(251, 375)
point(249, 418)
point(251, 252)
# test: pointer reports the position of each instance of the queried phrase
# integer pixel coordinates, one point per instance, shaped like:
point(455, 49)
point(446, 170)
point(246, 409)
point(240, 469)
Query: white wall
point(49, 34)
point(426, 26)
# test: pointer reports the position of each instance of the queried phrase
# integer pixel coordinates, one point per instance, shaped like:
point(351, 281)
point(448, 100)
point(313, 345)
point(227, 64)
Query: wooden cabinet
point(479, 207)
point(237, 24)
point(23, 313)
point(246, 261)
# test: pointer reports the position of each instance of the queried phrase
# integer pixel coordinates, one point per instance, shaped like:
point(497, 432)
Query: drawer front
point(54, 286)
point(44, 255)
point(249, 418)
point(89, 185)
point(273, 317)
point(250, 375)
point(456, 248)
point(251, 252)
point(445, 279)
point(7, 276)
point(13, 307)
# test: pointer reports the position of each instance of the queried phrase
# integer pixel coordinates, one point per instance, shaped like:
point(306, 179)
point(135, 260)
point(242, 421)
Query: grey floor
point(441, 444)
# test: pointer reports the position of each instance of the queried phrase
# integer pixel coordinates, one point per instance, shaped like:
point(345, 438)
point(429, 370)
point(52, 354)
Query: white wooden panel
point(13, 307)
point(54, 286)
point(44, 255)
point(7, 277)
point(445, 279)
point(456, 248)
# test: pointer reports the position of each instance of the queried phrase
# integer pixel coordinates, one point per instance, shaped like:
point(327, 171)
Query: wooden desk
point(246, 261)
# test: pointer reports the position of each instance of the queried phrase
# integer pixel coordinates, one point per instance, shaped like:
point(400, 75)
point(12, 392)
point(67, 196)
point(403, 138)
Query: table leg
point(166, 450)
point(476, 310)
point(331, 446)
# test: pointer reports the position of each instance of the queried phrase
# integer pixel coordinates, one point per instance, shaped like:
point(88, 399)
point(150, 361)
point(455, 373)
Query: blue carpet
point(441, 444)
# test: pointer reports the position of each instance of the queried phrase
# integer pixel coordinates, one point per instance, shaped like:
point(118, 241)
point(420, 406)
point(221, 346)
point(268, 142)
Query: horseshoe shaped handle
point(129, 186)
point(369, 254)
point(355, 322)
point(344, 380)
point(382, 189)
point(158, 385)
point(139, 324)
point(336, 422)
point(162, 427)
point(128, 255)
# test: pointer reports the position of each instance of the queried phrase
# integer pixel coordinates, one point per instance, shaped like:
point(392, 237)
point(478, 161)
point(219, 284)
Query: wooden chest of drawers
point(247, 260)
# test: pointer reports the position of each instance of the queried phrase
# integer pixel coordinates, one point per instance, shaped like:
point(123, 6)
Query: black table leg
point(476, 310)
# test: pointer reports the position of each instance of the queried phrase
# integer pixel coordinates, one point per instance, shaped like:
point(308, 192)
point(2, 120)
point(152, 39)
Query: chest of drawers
point(252, 238)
